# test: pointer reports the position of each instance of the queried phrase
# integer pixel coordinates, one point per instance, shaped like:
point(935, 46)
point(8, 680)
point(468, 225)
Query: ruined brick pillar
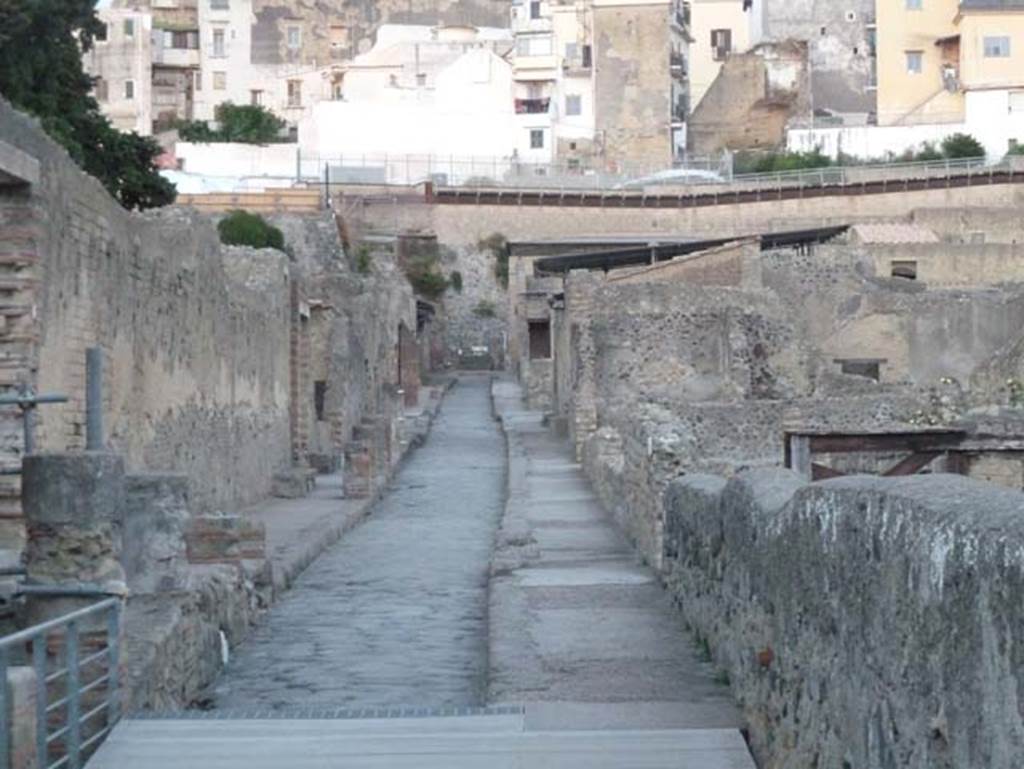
point(408, 366)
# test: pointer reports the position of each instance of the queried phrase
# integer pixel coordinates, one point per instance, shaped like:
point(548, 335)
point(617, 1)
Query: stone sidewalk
point(577, 624)
point(298, 530)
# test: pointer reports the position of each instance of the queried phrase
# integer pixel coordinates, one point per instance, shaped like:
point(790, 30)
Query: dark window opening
point(319, 396)
point(536, 138)
point(586, 56)
point(535, 9)
point(870, 369)
point(540, 339)
point(721, 44)
point(904, 269)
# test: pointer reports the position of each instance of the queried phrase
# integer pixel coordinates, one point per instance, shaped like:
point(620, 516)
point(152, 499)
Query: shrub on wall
point(485, 309)
point(242, 228)
point(455, 281)
point(496, 245)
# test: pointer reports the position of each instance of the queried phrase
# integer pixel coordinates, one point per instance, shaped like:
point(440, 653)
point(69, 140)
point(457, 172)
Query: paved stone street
point(395, 613)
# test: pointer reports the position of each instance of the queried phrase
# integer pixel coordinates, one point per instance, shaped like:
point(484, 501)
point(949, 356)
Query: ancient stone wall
point(195, 336)
point(862, 622)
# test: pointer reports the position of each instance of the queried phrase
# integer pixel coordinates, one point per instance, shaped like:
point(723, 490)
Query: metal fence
point(75, 659)
point(510, 171)
point(704, 174)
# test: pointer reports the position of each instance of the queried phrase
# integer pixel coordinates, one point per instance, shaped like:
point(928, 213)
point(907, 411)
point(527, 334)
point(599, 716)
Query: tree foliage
point(248, 124)
point(41, 44)
point(961, 145)
point(242, 228)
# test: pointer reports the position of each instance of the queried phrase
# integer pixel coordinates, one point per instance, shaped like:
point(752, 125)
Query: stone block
point(156, 518)
point(225, 539)
point(73, 506)
point(295, 483)
point(77, 488)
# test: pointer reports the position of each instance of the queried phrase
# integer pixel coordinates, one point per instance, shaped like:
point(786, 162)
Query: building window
point(319, 398)
point(914, 5)
point(915, 62)
point(534, 9)
point(199, 80)
point(294, 38)
point(339, 36)
point(256, 98)
point(129, 28)
point(294, 93)
point(101, 89)
point(721, 43)
point(534, 45)
point(129, 89)
point(218, 43)
point(573, 104)
point(220, 81)
point(572, 50)
point(219, 5)
point(997, 47)
point(906, 268)
point(869, 367)
point(181, 40)
point(536, 138)
point(101, 34)
point(540, 339)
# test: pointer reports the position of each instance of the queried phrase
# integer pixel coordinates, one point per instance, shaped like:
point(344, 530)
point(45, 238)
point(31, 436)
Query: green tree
point(248, 124)
point(41, 44)
point(961, 145)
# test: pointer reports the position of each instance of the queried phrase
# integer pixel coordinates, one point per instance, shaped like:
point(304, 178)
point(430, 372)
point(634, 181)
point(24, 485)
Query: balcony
point(680, 110)
point(535, 66)
point(532, 106)
point(176, 57)
point(681, 16)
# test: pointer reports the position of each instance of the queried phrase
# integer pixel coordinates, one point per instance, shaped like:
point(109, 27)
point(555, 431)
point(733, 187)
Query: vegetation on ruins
point(242, 228)
point(496, 245)
point(422, 266)
point(485, 309)
point(1015, 392)
point(455, 281)
point(41, 44)
point(244, 123)
point(362, 255)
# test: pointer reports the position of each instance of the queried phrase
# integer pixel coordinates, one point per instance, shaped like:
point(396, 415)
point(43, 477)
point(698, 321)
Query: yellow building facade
point(933, 53)
point(717, 28)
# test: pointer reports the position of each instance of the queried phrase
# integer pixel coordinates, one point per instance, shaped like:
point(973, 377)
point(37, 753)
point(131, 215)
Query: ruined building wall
point(195, 336)
point(867, 622)
point(353, 330)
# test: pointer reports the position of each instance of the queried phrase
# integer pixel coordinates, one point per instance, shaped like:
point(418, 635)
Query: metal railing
point(474, 172)
point(75, 659)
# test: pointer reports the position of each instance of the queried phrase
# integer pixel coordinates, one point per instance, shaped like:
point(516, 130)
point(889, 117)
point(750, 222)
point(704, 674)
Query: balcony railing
point(532, 106)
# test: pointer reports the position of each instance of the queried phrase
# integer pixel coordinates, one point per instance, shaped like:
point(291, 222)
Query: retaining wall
point(864, 622)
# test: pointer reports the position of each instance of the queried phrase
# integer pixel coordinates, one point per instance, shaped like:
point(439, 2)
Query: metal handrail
point(65, 738)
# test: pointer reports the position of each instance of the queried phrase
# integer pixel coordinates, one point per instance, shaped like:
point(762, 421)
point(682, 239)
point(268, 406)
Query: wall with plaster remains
point(195, 336)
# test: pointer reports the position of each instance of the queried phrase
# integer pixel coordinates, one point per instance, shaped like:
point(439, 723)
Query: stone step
point(429, 743)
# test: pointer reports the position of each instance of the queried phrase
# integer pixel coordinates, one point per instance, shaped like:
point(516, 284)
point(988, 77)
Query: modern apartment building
point(601, 82)
point(121, 60)
point(944, 61)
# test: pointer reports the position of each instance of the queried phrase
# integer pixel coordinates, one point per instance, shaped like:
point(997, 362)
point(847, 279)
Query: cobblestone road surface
point(395, 613)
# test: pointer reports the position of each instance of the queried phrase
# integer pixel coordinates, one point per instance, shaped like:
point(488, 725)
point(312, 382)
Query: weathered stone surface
point(73, 505)
point(864, 621)
point(156, 518)
point(294, 483)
